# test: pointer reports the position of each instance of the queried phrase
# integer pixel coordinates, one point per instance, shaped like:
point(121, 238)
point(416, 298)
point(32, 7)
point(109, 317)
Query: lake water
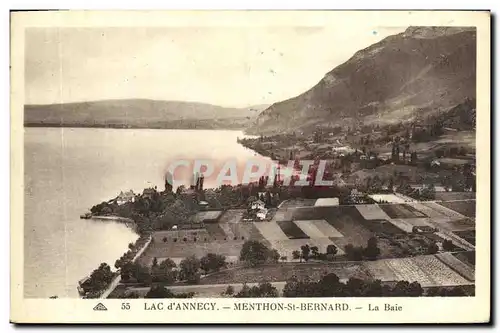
point(67, 170)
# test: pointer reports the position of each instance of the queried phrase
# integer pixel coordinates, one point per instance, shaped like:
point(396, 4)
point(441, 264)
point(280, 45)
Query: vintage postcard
point(250, 167)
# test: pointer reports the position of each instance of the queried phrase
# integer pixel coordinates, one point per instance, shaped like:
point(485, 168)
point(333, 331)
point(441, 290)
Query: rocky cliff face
point(420, 71)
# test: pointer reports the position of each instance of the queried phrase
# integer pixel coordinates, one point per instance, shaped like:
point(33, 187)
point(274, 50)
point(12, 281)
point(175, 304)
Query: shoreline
point(116, 281)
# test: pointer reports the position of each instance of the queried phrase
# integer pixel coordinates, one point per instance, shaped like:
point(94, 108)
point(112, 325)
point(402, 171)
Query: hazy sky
point(228, 67)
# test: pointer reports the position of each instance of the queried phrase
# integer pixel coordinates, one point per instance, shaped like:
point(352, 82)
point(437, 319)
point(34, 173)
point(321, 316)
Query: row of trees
point(312, 252)
point(356, 253)
point(167, 272)
point(98, 281)
point(331, 286)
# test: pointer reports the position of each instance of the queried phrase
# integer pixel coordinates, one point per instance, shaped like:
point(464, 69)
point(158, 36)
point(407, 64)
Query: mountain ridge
point(420, 70)
point(138, 113)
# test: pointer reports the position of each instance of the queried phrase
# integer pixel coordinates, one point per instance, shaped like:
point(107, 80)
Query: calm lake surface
point(68, 170)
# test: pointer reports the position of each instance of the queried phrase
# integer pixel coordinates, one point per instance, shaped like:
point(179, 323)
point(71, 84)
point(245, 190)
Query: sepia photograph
point(237, 161)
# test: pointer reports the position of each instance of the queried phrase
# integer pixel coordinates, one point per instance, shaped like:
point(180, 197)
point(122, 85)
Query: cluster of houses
point(258, 208)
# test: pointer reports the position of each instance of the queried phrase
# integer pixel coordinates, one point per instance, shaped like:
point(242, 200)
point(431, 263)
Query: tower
point(168, 182)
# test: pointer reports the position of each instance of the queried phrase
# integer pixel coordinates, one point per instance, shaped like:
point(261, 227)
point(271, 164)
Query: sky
point(234, 67)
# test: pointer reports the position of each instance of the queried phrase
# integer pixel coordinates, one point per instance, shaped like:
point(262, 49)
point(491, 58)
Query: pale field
point(430, 212)
point(322, 202)
point(460, 267)
point(444, 211)
point(327, 229)
point(232, 216)
point(372, 212)
point(402, 224)
point(310, 229)
point(390, 198)
point(271, 231)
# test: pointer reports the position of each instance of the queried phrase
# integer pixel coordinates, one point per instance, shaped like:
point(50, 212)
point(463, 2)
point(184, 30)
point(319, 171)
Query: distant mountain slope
point(419, 71)
point(139, 113)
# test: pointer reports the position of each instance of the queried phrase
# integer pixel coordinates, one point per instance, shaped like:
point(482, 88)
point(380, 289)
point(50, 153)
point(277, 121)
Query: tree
point(329, 285)
point(400, 289)
point(134, 272)
point(158, 291)
point(253, 252)
point(374, 289)
point(433, 248)
point(100, 277)
point(331, 249)
point(212, 262)
point(229, 291)
point(428, 192)
point(189, 269)
point(305, 251)
point(164, 272)
point(296, 255)
point(274, 256)
point(315, 252)
point(415, 289)
point(448, 245)
point(354, 287)
point(265, 289)
point(456, 291)
point(353, 252)
point(168, 263)
point(372, 251)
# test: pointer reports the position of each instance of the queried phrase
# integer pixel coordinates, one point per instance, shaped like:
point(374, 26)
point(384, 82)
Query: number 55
point(125, 306)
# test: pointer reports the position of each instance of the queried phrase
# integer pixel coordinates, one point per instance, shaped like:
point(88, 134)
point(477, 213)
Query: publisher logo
point(100, 307)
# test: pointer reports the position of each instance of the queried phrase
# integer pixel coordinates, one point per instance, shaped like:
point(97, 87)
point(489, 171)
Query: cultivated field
point(215, 231)
point(179, 235)
point(380, 269)
point(271, 230)
point(232, 216)
point(310, 229)
point(293, 203)
point(427, 270)
point(426, 210)
point(468, 257)
point(390, 198)
point(246, 230)
point(327, 229)
point(460, 267)
point(468, 235)
point(460, 225)
point(285, 271)
point(291, 230)
point(207, 215)
point(466, 207)
point(185, 249)
point(412, 173)
point(321, 226)
point(403, 224)
point(372, 212)
point(400, 211)
point(318, 229)
point(444, 211)
point(446, 196)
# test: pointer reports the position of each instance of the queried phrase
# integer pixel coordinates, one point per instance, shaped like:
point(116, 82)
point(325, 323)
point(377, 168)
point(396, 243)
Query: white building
point(123, 198)
point(259, 205)
point(261, 214)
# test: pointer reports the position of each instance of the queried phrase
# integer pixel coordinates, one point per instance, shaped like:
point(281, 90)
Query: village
point(398, 222)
